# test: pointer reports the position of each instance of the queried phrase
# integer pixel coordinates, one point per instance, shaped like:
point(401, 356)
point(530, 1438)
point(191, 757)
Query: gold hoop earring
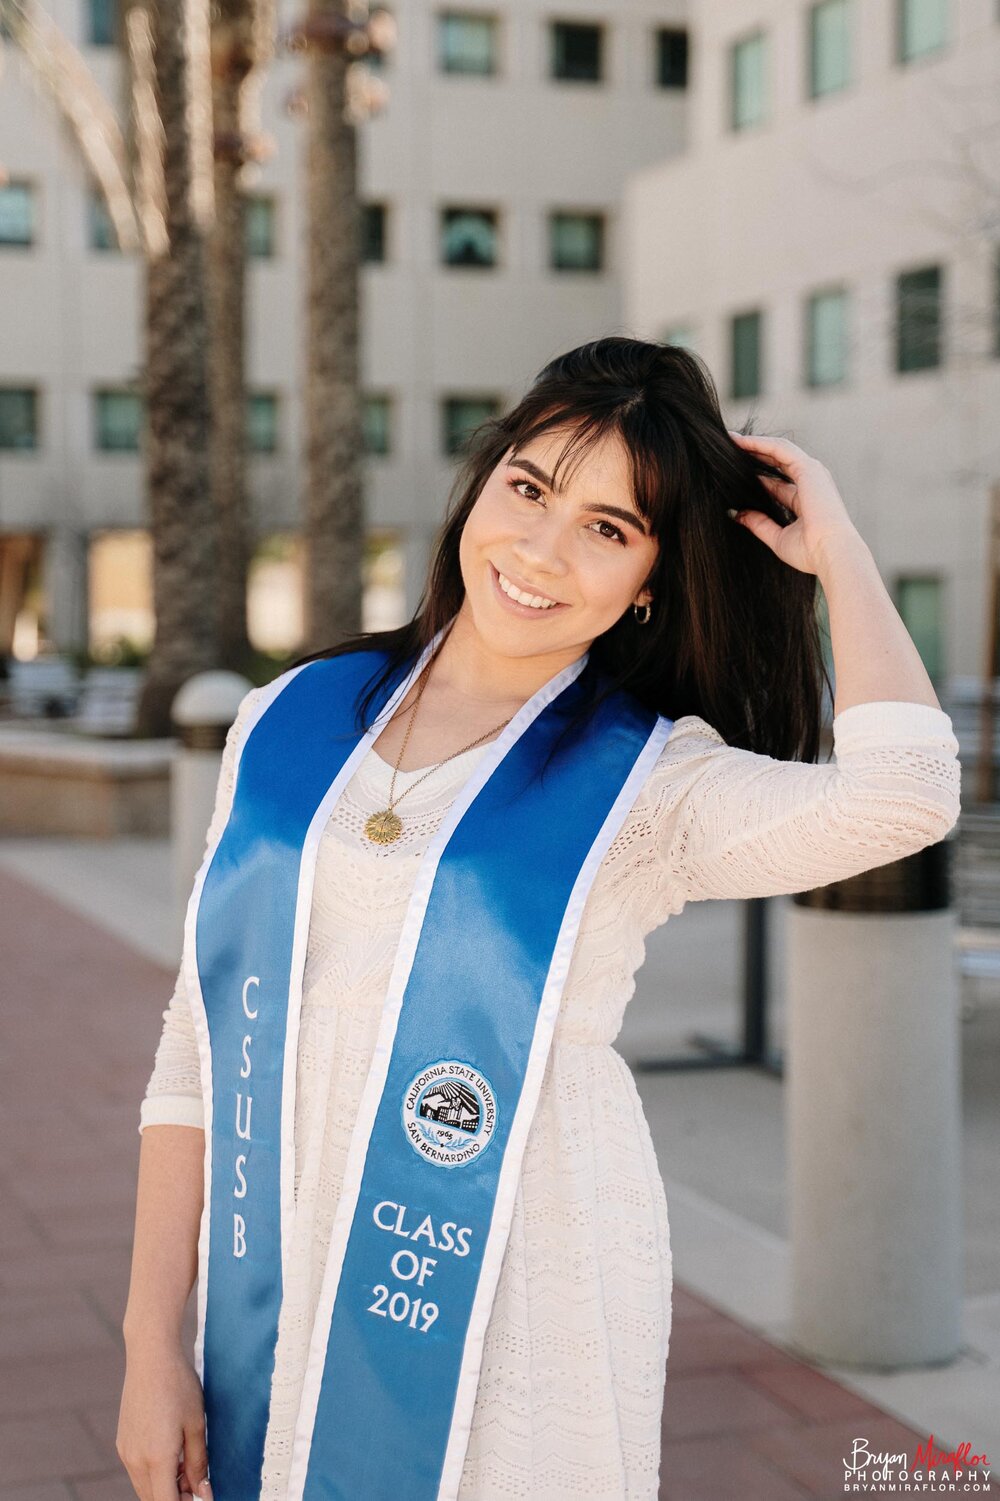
point(645, 617)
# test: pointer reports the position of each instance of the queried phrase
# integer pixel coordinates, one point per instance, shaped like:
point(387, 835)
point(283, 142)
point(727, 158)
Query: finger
point(196, 1458)
point(163, 1480)
point(783, 449)
point(773, 479)
point(768, 531)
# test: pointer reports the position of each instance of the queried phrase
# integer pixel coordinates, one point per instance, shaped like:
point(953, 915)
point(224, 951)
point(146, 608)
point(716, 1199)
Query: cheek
point(613, 587)
point(613, 584)
point(485, 521)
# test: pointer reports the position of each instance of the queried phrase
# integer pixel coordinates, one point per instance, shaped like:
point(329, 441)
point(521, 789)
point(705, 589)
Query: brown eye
point(616, 533)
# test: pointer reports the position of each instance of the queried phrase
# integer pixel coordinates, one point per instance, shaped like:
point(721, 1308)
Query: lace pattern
point(571, 1386)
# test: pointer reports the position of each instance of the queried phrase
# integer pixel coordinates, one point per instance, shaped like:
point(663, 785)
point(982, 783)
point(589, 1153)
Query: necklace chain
point(386, 826)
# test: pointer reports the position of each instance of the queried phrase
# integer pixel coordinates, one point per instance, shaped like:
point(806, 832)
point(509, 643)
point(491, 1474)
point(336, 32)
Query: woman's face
point(546, 571)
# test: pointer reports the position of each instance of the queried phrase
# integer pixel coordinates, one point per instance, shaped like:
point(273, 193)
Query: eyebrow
point(630, 517)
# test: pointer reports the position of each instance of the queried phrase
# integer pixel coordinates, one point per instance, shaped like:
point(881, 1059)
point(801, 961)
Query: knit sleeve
point(748, 825)
point(173, 1095)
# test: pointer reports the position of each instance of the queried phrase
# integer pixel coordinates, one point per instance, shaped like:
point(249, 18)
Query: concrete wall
point(899, 170)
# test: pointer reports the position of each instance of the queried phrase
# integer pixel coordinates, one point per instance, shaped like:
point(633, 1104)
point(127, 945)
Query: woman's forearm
point(873, 653)
point(169, 1198)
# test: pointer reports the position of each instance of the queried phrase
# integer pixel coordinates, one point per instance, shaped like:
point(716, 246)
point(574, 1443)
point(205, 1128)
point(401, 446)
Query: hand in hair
point(821, 522)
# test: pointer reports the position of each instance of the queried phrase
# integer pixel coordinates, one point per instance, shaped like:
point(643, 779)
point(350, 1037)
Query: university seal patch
point(449, 1113)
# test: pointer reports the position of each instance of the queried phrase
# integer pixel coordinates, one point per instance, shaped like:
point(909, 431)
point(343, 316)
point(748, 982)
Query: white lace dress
point(571, 1388)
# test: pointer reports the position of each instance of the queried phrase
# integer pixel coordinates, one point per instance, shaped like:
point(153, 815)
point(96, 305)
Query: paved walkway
point(743, 1421)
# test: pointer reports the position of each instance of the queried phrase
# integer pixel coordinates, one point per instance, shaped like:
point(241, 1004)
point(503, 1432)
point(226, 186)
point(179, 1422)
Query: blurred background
point(263, 268)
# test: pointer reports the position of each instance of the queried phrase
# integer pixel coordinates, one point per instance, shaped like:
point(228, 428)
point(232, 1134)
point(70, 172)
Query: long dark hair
point(733, 635)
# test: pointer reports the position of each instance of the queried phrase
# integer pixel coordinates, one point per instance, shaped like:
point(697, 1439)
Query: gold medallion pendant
point(384, 827)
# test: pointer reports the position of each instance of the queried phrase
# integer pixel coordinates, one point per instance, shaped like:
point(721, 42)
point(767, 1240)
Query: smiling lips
point(539, 602)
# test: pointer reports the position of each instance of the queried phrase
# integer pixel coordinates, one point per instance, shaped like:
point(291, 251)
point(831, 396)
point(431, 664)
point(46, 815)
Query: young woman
point(435, 1261)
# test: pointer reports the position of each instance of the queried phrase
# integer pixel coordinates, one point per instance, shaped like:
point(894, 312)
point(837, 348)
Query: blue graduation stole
point(435, 1156)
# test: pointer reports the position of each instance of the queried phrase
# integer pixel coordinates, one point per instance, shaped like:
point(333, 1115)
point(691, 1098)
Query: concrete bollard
point(873, 1117)
point(203, 710)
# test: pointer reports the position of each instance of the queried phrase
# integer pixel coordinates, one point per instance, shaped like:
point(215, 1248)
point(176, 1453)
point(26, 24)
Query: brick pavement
point(743, 1421)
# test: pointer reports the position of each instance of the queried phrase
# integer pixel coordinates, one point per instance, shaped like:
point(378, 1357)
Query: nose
point(541, 549)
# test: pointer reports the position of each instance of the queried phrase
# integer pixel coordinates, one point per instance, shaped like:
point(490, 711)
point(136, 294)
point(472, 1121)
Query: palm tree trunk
point(181, 513)
point(334, 520)
point(232, 61)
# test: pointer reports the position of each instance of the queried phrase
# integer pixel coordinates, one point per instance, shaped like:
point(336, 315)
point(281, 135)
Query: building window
point(918, 319)
point(748, 82)
point(17, 213)
point(18, 417)
point(829, 47)
point(102, 23)
point(682, 335)
point(373, 238)
point(921, 28)
point(576, 51)
point(826, 338)
point(467, 43)
point(468, 237)
point(262, 422)
point(576, 242)
point(118, 420)
point(376, 412)
point(919, 600)
point(746, 362)
point(258, 226)
point(461, 416)
point(100, 226)
point(671, 58)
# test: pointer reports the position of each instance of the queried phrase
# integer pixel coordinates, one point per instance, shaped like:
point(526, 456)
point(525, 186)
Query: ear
point(645, 597)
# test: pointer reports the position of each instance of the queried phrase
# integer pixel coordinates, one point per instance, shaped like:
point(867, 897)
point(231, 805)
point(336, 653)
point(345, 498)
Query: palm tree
point(336, 35)
point(242, 34)
point(167, 211)
point(172, 120)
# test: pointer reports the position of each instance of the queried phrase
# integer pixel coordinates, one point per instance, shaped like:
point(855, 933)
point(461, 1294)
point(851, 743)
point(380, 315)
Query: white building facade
point(830, 244)
point(492, 183)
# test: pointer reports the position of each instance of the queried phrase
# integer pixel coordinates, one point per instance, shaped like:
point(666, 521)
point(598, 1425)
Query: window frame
point(814, 95)
point(446, 400)
point(900, 313)
point(599, 28)
point(659, 33)
point(491, 212)
point(273, 396)
point(905, 577)
point(904, 59)
point(367, 209)
point(759, 313)
point(271, 200)
point(35, 393)
point(30, 185)
point(113, 37)
point(598, 216)
point(762, 35)
point(98, 394)
point(451, 13)
point(387, 400)
point(843, 291)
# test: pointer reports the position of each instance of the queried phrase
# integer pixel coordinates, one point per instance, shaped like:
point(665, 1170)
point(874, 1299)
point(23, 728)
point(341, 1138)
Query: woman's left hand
point(821, 521)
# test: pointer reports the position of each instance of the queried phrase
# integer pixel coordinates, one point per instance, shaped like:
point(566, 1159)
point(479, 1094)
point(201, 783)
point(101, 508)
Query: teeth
point(536, 601)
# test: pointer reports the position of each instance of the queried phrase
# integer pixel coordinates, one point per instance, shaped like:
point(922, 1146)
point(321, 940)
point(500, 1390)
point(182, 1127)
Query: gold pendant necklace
point(386, 826)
